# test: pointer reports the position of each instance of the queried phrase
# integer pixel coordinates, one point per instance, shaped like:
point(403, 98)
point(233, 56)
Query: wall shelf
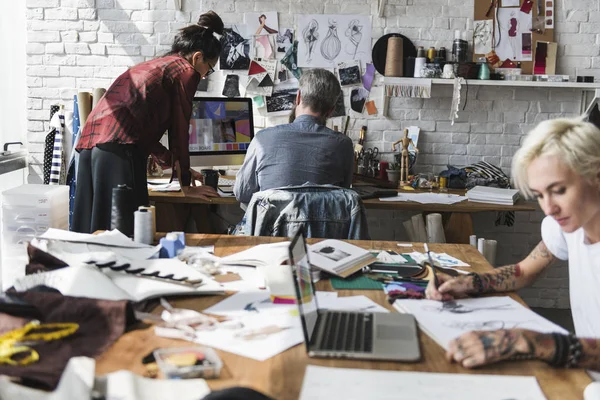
point(477, 82)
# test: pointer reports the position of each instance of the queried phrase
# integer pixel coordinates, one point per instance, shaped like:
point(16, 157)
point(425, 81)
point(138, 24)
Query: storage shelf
point(477, 82)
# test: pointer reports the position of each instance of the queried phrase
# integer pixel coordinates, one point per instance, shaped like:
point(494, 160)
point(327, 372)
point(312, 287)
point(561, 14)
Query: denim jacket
point(325, 211)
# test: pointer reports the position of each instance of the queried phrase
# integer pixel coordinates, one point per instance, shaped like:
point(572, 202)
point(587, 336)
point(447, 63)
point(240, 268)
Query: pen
point(436, 282)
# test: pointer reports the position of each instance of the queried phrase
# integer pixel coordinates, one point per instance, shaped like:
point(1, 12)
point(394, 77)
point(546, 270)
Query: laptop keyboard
point(351, 332)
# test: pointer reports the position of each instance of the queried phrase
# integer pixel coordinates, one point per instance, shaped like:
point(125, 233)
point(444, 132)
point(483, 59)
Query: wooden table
point(281, 376)
point(458, 223)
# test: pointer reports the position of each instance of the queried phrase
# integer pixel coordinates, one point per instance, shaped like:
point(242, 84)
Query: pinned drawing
point(285, 39)
point(262, 23)
point(290, 60)
point(340, 38)
point(310, 35)
point(510, 26)
point(349, 73)
point(340, 107)
point(482, 36)
point(232, 86)
point(282, 101)
point(264, 46)
point(354, 33)
point(235, 48)
point(358, 97)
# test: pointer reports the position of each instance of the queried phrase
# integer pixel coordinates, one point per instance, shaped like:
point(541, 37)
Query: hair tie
point(215, 34)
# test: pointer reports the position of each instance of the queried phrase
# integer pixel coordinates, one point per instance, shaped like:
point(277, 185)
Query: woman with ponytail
point(127, 124)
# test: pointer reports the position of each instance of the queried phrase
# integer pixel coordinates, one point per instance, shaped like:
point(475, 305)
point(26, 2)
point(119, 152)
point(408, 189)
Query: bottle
point(459, 48)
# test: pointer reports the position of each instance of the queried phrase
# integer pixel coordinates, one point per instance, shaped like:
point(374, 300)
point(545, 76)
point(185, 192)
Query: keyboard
point(346, 331)
point(225, 181)
point(373, 192)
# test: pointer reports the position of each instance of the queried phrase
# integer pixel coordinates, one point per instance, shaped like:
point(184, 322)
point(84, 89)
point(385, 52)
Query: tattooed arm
point(503, 279)
point(478, 348)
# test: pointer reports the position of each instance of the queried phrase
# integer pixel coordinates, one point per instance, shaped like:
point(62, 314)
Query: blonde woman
point(559, 165)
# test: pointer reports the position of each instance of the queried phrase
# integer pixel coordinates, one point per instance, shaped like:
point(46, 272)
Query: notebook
point(89, 281)
point(339, 258)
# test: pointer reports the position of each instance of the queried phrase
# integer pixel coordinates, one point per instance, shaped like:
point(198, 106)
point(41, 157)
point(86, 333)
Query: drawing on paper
point(262, 23)
point(231, 88)
point(310, 35)
point(332, 253)
point(285, 40)
point(354, 33)
point(264, 46)
point(510, 27)
point(358, 97)
point(282, 101)
point(457, 308)
point(331, 45)
point(482, 36)
point(485, 325)
point(340, 107)
point(349, 74)
point(235, 49)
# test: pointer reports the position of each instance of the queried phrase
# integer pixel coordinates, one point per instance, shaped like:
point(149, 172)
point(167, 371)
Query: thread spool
point(394, 58)
point(122, 210)
point(142, 227)
point(97, 95)
point(152, 210)
point(84, 104)
point(435, 229)
point(473, 240)
point(442, 54)
point(419, 64)
point(420, 52)
point(409, 70)
point(431, 54)
point(481, 245)
point(489, 251)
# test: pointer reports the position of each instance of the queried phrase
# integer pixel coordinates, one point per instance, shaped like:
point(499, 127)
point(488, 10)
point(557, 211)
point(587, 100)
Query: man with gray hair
point(304, 150)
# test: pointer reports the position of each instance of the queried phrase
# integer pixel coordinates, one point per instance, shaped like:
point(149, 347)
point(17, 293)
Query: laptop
point(348, 334)
point(373, 192)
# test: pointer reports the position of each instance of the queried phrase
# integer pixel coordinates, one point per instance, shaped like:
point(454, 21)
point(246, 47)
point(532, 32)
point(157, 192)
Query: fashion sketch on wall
point(235, 52)
point(326, 40)
point(285, 39)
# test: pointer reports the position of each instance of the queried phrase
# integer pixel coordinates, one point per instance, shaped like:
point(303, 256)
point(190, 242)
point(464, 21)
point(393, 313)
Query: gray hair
point(319, 90)
point(575, 141)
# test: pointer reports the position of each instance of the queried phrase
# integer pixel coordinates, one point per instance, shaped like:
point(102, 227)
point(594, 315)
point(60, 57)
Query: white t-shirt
point(584, 276)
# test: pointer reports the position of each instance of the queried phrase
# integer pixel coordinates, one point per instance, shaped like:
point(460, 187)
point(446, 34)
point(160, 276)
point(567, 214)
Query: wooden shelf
point(477, 82)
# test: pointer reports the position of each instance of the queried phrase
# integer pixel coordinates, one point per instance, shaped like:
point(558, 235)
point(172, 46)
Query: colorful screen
point(220, 125)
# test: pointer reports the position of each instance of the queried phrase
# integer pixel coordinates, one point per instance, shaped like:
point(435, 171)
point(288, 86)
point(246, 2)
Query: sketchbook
point(88, 281)
point(259, 256)
point(445, 321)
point(338, 257)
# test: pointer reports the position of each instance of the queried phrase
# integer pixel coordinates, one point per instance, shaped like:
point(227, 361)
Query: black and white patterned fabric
point(49, 146)
point(57, 169)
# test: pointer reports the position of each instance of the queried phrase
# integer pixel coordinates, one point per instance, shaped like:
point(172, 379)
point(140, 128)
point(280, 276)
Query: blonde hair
point(573, 140)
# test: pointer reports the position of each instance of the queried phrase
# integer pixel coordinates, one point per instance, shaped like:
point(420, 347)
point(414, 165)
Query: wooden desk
point(457, 217)
point(281, 376)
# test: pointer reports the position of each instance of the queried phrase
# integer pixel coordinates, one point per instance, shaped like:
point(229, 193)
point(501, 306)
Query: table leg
point(458, 228)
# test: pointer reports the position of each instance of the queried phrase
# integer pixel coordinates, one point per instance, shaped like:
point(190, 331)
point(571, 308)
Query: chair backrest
point(325, 211)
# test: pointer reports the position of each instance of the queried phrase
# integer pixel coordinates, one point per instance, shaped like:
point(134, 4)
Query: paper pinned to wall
point(482, 36)
point(264, 46)
point(235, 48)
point(510, 27)
point(262, 23)
point(326, 40)
point(285, 39)
point(261, 77)
point(282, 101)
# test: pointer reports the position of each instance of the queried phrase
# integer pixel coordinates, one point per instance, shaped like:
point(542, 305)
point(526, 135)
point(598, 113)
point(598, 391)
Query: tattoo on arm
point(501, 280)
point(590, 357)
point(540, 251)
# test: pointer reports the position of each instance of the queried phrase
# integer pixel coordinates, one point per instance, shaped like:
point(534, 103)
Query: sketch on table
point(284, 40)
point(354, 33)
point(348, 73)
point(331, 45)
point(310, 35)
point(235, 51)
point(457, 308)
point(485, 325)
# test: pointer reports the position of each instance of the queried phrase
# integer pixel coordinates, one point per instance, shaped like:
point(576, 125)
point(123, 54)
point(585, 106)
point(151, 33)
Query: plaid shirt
point(144, 102)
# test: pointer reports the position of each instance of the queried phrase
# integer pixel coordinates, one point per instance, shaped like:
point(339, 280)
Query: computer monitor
point(220, 131)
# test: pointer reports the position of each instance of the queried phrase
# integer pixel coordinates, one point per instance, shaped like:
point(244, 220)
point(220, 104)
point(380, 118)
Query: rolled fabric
point(435, 228)
point(419, 228)
point(489, 251)
point(481, 245)
point(394, 59)
point(473, 240)
point(97, 94)
point(84, 103)
point(408, 227)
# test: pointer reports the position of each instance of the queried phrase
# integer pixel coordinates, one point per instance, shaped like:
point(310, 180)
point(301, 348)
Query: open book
point(88, 281)
point(338, 257)
point(259, 256)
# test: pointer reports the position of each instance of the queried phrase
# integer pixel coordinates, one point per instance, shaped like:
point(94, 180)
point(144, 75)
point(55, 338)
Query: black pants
point(100, 170)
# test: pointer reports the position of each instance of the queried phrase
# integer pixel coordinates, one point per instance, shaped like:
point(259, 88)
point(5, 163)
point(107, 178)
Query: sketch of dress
point(310, 34)
point(331, 45)
point(512, 34)
point(354, 33)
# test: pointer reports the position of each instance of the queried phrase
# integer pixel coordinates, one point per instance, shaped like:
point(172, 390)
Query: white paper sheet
point(444, 321)
point(350, 384)
point(427, 198)
point(108, 238)
point(249, 303)
point(512, 24)
point(263, 254)
point(439, 259)
point(252, 279)
point(260, 347)
point(326, 40)
point(482, 36)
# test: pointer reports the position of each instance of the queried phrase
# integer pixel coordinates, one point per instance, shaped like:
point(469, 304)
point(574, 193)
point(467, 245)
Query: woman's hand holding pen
point(449, 288)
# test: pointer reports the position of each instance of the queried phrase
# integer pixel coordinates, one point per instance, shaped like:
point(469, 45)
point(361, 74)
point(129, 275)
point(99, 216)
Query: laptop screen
point(305, 291)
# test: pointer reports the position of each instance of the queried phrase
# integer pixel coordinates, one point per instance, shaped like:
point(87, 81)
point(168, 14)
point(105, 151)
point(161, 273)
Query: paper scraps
point(367, 78)
point(231, 88)
point(261, 77)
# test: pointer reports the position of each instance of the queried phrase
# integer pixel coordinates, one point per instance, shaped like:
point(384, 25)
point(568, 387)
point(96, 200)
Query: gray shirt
point(292, 154)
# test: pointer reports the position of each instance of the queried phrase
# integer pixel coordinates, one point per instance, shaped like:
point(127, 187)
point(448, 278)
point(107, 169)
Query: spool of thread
point(394, 58)
point(419, 64)
point(420, 52)
point(97, 95)
point(409, 68)
point(84, 104)
point(431, 54)
point(473, 240)
point(489, 251)
point(481, 245)
point(142, 227)
point(442, 54)
point(122, 210)
point(170, 245)
point(151, 210)
point(435, 229)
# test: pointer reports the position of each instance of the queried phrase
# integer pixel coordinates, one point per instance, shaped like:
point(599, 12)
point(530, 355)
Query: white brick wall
point(78, 44)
